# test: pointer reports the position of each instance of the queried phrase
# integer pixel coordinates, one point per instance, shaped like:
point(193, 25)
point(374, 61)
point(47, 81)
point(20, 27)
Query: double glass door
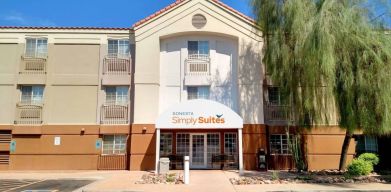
point(201, 147)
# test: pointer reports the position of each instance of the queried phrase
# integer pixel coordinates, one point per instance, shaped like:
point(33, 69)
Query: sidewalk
point(200, 181)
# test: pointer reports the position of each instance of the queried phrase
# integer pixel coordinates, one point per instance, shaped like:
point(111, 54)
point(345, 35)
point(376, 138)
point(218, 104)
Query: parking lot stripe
point(25, 185)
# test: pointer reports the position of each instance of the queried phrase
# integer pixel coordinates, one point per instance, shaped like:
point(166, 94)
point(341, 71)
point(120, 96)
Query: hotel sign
point(199, 114)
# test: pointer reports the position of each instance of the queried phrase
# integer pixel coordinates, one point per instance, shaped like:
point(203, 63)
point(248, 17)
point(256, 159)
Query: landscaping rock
point(326, 176)
point(169, 178)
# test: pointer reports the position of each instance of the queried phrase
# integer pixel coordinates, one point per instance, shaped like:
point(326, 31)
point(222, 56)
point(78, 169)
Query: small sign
point(98, 144)
point(57, 141)
point(12, 146)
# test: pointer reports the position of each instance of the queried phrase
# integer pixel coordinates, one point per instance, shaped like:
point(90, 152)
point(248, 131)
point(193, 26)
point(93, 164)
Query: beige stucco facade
point(178, 23)
point(72, 98)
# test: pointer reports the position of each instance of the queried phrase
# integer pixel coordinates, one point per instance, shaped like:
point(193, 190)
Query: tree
point(329, 53)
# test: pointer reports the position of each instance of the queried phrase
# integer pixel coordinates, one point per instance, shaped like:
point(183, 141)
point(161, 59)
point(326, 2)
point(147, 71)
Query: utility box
point(262, 163)
point(164, 165)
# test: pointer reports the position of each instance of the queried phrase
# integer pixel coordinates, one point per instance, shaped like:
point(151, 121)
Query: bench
point(175, 160)
point(223, 160)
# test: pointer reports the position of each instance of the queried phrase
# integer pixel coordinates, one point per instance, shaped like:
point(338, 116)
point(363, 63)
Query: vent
point(4, 158)
point(5, 136)
point(199, 21)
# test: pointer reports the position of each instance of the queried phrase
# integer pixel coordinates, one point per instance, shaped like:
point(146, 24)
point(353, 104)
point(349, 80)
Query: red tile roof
point(69, 28)
point(169, 7)
point(177, 2)
point(235, 11)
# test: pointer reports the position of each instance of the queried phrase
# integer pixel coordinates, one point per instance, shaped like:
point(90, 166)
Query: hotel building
point(187, 80)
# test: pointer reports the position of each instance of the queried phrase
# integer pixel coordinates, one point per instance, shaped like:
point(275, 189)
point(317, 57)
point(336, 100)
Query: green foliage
point(275, 175)
point(297, 152)
point(305, 177)
point(170, 177)
point(370, 157)
point(328, 57)
point(359, 167)
point(327, 52)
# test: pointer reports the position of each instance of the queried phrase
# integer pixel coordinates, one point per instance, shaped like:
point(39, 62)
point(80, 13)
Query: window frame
point(162, 154)
point(236, 141)
point(198, 42)
point(31, 94)
point(209, 153)
point(187, 148)
point(119, 47)
point(124, 152)
point(118, 97)
point(363, 146)
point(269, 95)
point(282, 149)
point(199, 96)
point(375, 144)
point(36, 53)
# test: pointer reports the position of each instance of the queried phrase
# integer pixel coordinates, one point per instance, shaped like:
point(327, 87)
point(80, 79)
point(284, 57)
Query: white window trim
point(31, 93)
point(172, 141)
point(118, 46)
point(176, 141)
point(117, 96)
point(36, 46)
point(198, 47)
point(198, 92)
point(214, 133)
point(113, 149)
point(237, 141)
point(281, 148)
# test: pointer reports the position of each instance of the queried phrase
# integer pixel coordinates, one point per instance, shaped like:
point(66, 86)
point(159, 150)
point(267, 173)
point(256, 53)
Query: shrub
point(275, 175)
point(370, 157)
point(360, 167)
point(170, 177)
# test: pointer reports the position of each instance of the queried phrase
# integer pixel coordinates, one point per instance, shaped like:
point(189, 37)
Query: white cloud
point(16, 18)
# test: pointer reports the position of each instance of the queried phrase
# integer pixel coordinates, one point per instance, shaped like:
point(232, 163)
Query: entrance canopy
point(199, 114)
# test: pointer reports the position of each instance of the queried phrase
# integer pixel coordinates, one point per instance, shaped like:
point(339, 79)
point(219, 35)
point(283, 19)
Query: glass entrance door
point(198, 151)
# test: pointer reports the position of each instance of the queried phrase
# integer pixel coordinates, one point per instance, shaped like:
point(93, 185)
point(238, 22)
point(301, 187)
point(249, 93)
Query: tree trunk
point(345, 149)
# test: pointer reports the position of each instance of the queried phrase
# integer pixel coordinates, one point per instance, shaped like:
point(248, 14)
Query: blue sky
point(94, 13)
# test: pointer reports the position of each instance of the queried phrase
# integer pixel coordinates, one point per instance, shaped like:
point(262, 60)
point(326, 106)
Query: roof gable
point(178, 3)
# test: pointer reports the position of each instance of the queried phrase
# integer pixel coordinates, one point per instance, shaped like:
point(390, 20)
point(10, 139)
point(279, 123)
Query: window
point(36, 47)
point(198, 47)
point(117, 95)
point(197, 93)
point(213, 142)
point(32, 94)
point(274, 96)
point(279, 145)
point(367, 144)
point(114, 144)
point(165, 144)
point(230, 143)
point(182, 144)
point(118, 48)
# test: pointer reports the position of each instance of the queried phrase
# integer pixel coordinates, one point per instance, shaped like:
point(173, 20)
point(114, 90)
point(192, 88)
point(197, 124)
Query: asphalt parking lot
point(63, 185)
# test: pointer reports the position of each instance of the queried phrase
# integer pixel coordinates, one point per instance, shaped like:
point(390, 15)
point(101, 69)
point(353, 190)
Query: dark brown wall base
point(53, 162)
point(35, 148)
point(78, 152)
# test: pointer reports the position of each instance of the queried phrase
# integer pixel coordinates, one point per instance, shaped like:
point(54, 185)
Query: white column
point(240, 140)
point(157, 150)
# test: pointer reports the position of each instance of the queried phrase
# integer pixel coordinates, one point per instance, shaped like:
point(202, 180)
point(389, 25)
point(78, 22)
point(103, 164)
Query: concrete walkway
point(201, 181)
